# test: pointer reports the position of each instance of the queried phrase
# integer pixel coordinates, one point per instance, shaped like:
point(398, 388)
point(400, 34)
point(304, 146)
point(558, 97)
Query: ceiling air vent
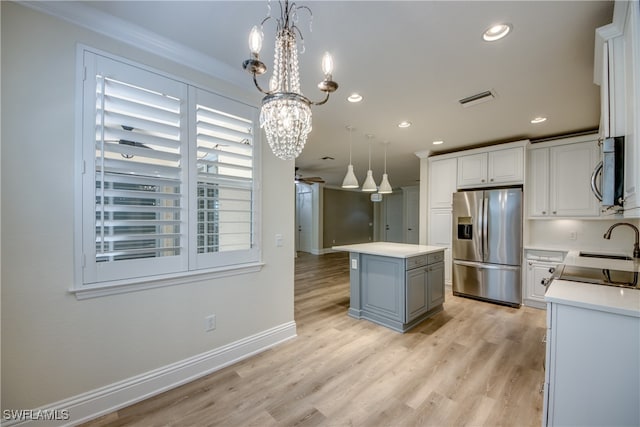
point(478, 98)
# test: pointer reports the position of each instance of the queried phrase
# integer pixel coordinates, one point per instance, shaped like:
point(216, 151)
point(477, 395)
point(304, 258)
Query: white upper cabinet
point(472, 170)
point(496, 167)
point(538, 182)
point(506, 166)
point(442, 182)
point(617, 71)
point(570, 169)
point(559, 183)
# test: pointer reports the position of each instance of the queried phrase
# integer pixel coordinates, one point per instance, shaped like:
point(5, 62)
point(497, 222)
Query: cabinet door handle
point(554, 212)
point(482, 180)
point(544, 212)
point(491, 180)
point(552, 270)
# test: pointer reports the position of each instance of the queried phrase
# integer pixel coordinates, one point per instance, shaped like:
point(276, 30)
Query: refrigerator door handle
point(481, 265)
point(485, 227)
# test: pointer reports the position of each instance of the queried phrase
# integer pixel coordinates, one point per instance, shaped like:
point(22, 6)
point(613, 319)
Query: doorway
point(393, 212)
point(304, 217)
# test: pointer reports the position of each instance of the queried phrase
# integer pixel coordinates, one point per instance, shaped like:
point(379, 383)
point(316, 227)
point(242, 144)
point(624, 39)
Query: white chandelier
point(286, 113)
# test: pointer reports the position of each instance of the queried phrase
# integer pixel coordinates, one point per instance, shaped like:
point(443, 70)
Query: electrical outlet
point(573, 235)
point(210, 323)
point(354, 264)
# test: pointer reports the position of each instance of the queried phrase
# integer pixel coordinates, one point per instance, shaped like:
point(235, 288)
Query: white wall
point(54, 346)
point(556, 233)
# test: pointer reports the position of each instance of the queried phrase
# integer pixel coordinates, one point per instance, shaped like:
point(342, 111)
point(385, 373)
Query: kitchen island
point(395, 285)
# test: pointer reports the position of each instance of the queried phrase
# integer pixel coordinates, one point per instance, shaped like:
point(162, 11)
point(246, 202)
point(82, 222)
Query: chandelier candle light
point(286, 113)
point(350, 180)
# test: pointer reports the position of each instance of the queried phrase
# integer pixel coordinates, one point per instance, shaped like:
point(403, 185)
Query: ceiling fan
point(308, 180)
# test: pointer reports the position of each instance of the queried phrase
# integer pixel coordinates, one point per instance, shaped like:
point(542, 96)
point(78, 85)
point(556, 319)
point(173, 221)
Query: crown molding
point(126, 32)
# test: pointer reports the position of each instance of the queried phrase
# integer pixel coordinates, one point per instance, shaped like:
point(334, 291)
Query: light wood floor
point(473, 364)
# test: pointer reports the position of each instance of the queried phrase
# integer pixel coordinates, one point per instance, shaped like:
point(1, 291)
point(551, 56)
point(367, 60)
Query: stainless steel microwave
point(610, 173)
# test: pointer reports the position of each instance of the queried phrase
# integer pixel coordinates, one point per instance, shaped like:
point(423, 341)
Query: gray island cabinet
point(395, 285)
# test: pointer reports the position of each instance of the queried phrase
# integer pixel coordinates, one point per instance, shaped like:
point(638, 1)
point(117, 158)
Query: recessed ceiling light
point(404, 124)
point(354, 97)
point(496, 32)
point(538, 120)
point(438, 142)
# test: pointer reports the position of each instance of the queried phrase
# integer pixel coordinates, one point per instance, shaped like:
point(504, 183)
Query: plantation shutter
point(139, 170)
point(225, 175)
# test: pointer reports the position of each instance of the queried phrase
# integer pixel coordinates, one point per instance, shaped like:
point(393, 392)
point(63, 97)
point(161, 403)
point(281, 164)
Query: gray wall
point(348, 217)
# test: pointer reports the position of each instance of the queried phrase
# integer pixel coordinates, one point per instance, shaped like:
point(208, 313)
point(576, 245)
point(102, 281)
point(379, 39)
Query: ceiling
point(410, 60)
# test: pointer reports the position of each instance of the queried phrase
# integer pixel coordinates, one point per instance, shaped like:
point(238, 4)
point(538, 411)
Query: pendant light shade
point(385, 187)
point(369, 184)
point(350, 180)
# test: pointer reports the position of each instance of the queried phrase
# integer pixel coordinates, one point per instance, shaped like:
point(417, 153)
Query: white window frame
point(189, 266)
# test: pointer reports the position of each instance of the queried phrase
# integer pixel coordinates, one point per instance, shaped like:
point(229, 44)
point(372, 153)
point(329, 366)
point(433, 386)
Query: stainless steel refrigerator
point(487, 245)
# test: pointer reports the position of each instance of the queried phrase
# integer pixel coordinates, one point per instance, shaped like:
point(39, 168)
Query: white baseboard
point(98, 402)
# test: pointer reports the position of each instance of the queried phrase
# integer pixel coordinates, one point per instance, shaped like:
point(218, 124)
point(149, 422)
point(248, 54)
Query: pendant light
point(369, 184)
point(350, 180)
point(385, 187)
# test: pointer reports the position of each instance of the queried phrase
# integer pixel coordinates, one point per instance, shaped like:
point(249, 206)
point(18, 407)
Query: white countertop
point(394, 250)
point(611, 299)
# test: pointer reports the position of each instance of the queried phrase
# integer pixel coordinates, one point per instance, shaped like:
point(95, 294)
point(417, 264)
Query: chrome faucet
point(636, 245)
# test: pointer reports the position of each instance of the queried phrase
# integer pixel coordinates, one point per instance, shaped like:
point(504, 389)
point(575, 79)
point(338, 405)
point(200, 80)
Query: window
point(224, 174)
point(169, 177)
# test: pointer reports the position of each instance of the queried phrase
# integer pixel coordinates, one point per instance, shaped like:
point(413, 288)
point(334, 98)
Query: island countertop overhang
point(389, 249)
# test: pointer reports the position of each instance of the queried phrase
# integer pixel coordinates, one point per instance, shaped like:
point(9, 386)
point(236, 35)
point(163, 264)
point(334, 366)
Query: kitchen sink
point(605, 256)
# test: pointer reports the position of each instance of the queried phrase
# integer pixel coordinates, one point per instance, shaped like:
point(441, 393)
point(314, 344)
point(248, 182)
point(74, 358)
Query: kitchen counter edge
point(394, 250)
point(610, 299)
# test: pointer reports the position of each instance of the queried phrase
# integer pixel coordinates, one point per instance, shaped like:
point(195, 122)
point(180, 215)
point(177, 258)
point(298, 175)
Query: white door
point(303, 220)
point(393, 218)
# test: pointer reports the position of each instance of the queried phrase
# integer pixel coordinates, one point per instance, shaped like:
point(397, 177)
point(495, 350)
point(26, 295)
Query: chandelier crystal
point(285, 115)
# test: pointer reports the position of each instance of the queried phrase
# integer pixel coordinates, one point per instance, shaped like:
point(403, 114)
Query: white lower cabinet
point(538, 273)
point(540, 266)
point(440, 235)
point(592, 367)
